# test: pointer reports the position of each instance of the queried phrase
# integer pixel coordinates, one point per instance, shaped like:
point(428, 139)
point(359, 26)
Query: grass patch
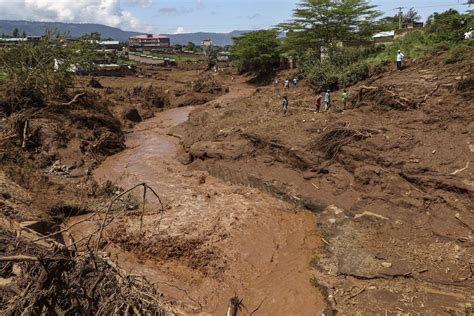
point(3, 75)
point(177, 57)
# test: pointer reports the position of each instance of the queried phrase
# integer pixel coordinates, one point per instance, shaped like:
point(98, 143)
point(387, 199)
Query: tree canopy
point(392, 22)
point(327, 22)
point(450, 25)
point(257, 51)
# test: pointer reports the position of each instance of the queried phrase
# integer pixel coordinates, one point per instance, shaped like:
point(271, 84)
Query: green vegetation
point(325, 23)
point(178, 57)
point(335, 67)
point(257, 52)
point(393, 22)
point(37, 73)
point(191, 47)
point(322, 34)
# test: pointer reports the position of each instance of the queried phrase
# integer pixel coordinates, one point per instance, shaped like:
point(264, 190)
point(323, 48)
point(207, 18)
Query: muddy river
point(215, 240)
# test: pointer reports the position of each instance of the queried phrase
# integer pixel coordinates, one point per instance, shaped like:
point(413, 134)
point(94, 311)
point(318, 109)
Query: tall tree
point(257, 52)
point(411, 16)
point(16, 33)
point(327, 22)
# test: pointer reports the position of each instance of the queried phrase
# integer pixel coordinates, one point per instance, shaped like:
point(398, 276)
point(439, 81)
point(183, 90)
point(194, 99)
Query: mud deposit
point(214, 240)
point(390, 176)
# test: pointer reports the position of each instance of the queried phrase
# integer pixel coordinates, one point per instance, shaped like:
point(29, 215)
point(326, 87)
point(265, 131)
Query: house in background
point(223, 56)
point(409, 27)
point(386, 37)
point(149, 42)
point(207, 42)
point(12, 41)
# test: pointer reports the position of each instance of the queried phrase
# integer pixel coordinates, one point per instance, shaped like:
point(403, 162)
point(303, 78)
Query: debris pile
point(206, 83)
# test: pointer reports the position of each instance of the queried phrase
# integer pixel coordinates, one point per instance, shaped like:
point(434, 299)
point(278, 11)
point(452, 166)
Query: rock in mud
point(133, 115)
point(184, 158)
point(386, 264)
point(221, 150)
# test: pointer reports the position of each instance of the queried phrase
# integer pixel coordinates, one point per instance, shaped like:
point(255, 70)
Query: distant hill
point(74, 29)
point(78, 29)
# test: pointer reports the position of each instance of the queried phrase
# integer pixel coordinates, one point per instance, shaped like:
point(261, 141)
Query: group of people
point(322, 97)
point(218, 69)
point(326, 96)
point(287, 82)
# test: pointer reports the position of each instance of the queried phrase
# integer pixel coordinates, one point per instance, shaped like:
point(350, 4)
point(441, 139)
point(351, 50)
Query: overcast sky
point(179, 16)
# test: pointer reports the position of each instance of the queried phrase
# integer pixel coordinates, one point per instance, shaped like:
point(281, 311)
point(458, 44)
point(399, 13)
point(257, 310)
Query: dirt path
point(215, 240)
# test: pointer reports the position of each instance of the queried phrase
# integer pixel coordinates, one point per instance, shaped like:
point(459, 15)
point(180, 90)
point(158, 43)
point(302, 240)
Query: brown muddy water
point(215, 240)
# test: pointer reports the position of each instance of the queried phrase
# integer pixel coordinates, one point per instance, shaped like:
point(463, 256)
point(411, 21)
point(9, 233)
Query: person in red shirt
point(318, 102)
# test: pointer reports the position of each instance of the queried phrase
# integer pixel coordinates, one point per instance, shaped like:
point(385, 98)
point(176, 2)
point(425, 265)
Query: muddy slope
point(391, 176)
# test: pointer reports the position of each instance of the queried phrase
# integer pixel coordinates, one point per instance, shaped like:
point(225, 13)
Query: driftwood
point(26, 134)
point(383, 96)
point(434, 90)
point(58, 280)
point(235, 305)
point(332, 141)
point(76, 97)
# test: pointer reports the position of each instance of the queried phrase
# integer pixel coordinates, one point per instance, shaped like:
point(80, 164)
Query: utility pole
point(400, 15)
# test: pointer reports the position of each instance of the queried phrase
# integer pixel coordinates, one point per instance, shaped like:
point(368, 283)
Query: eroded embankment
point(214, 240)
point(391, 176)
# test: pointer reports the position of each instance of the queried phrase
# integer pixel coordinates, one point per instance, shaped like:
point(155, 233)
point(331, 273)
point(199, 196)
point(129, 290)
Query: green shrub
point(39, 72)
point(354, 73)
point(322, 75)
point(449, 26)
point(342, 67)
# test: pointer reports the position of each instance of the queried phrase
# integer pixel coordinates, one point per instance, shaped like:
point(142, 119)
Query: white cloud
point(180, 30)
point(108, 12)
point(176, 11)
point(142, 3)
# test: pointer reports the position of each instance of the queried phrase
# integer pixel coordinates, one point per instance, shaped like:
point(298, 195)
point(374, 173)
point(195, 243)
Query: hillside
point(78, 29)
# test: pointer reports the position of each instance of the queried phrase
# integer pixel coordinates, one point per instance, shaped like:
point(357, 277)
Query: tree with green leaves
point(257, 52)
point(411, 16)
point(16, 33)
point(191, 46)
point(449, 26)
point(392, 22)
point(319, 23)
point(44, 71)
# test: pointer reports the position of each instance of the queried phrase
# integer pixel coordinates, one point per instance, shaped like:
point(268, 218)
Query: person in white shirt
point(469, 34)
point(400, 58)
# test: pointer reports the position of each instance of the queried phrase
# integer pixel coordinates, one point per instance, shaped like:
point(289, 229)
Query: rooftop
point(145, 36)
point(384, 34)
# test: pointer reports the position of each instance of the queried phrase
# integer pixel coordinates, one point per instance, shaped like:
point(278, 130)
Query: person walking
point(327, 99)
point(295, 81)
point(344, 98)
point(285, 105)
point(318, 102)
point(400, 58)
